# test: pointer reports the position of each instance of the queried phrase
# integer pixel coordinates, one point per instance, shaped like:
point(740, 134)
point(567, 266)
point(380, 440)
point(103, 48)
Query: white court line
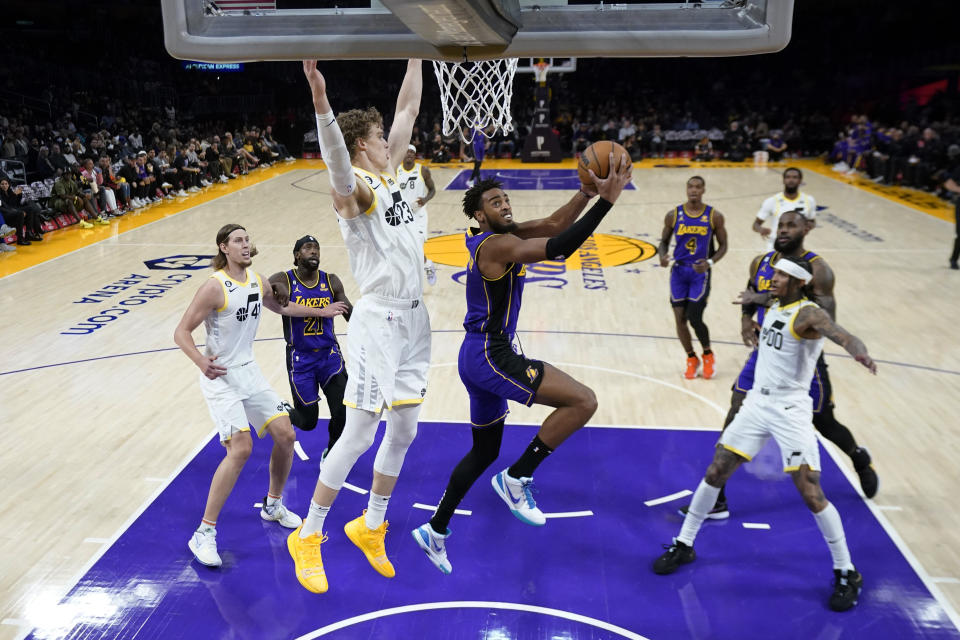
point(946, 580)
point(15, 622)
point(469, 604)
point(568, 514)
point(60, 594)
point(889, 507)
point(299, 451)
point(905, 550)
point(427, 507)
point(720, 410)
point(755, 525)
point(355, 489)
point(97, 540)
point(670, 498)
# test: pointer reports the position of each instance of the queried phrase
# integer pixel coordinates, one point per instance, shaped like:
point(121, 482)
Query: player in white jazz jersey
point(388, 351)
point(228, 304)
point(790, 199)
point(417, 188)
point(779, 405)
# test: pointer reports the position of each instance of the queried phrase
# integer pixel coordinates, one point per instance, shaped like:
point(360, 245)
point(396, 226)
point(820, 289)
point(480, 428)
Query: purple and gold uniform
point(761, 281)
point(490, 368)
point(313, 354)
point(694, 235)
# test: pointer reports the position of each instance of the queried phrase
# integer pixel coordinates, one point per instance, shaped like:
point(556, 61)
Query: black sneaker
point(954, 266)
point(719, 511)
point(869, 481)
point(676, 554)
point(847, 586)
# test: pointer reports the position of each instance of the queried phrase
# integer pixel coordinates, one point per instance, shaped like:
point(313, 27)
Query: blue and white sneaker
point(433, 544)
point(518, 494)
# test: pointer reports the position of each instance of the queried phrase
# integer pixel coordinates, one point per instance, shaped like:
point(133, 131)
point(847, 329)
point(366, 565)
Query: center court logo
point(599, 251)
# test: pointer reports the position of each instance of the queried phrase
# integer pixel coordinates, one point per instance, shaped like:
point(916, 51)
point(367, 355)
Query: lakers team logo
point(532, 374)
point(601, 250)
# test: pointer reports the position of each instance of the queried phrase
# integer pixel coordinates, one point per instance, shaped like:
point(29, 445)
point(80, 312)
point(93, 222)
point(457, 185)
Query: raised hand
point(609, 188)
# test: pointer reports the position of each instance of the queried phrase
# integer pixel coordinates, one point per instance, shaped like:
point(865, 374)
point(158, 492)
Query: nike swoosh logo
point(787, 408)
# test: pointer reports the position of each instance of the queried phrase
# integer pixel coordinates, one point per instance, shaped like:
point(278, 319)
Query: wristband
point(710, 261)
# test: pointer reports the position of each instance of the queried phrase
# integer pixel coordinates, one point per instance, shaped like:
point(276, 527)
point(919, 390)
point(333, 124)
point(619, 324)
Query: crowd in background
point(129, 125)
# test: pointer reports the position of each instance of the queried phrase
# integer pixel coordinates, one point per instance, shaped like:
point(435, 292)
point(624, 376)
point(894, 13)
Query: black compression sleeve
point(563, 245)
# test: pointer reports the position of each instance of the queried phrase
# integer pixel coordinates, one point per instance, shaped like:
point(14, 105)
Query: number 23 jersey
point(232, 328)
point(385, 250)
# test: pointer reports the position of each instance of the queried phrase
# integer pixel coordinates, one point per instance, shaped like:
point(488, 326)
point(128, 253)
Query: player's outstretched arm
point(298, 310)
point(813, 322)
point(559, 220)
point(208, 299)
point(333, 149)
point(408, 107)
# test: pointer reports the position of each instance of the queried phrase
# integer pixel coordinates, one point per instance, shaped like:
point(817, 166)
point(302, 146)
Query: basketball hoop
point(475, 95)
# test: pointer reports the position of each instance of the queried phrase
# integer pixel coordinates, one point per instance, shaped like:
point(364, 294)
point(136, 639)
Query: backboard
point(251, 30)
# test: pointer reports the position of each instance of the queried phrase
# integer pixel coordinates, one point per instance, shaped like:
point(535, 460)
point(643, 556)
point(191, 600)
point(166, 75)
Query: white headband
point(412, 148)
point(794, 269)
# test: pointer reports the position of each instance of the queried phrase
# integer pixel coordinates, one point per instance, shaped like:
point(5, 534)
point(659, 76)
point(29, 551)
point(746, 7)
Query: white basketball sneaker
point(518, 494)
point(203, 544)
point(431, 270)
point(433, 544)
point(279, 513)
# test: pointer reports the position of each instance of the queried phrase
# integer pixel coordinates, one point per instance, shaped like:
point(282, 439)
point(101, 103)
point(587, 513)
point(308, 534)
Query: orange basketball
point(597, 158)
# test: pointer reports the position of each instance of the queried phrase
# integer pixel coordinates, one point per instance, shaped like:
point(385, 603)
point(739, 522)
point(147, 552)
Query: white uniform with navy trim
point(413, 187)
point(388, 345)
point(774, 206)
point(242, 395)
point(779, 404)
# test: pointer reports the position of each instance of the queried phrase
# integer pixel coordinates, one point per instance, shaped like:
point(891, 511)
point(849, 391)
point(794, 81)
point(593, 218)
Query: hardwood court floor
point(101, 409)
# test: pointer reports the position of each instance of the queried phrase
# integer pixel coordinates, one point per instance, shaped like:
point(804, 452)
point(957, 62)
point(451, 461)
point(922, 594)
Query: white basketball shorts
point(241, 398)
point(788, 419)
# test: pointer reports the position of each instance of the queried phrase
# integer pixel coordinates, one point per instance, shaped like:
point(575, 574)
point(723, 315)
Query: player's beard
point(791, 191)
point(505, 227)
point(788, 246)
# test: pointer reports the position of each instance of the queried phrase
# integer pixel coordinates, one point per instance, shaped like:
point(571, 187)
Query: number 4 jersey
point(232, 328)
point(785, 361)
point(385, 250)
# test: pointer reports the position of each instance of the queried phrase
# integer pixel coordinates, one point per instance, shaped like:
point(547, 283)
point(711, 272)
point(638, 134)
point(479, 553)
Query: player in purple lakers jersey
point(314, 360)
point(792, 229)
point(695, 225)
point(491, 370)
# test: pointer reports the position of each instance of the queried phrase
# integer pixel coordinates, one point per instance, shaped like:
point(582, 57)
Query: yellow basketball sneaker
point(307, 561)
point(370, 542)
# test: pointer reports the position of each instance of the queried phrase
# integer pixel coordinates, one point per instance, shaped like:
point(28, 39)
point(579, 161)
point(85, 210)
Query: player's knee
point(714, 475)
point(587, 401)
point(282, 433)
point(240, 449)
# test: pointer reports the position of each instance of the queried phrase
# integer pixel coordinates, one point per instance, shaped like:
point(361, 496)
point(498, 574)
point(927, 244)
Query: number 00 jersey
point(785, 361)
point(232, 328)
point(385, 250)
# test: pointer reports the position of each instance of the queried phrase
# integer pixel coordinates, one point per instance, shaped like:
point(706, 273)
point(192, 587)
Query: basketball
point(597, 158)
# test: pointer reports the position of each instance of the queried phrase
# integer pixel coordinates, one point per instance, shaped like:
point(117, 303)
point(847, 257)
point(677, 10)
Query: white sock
point(703, 500)
point(206, 526)
point(272, 500)
point(376, 510)
point(314, 522)
point(832, 529)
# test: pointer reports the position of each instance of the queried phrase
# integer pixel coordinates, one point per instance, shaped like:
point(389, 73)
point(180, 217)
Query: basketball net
point(475, 95)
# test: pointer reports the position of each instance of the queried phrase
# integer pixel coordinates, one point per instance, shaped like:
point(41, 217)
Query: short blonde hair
point(356, 125)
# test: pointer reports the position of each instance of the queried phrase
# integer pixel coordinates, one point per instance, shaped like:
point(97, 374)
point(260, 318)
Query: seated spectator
point(703, 150)
point(735, 142)
point(776, 147)
point(657, 141)
point(282, 152)
point(582, 137)
point(57, 159)
point(121, 190)
point(633, 148)
point(69, 199)
point(13, 206)
point(106, 200)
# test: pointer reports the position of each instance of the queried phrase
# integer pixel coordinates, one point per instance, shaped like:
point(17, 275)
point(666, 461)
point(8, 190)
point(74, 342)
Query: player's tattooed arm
point(812, 322)
point(339, 295)
point(300, 311)
point(663, 249)
point(823, 281)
